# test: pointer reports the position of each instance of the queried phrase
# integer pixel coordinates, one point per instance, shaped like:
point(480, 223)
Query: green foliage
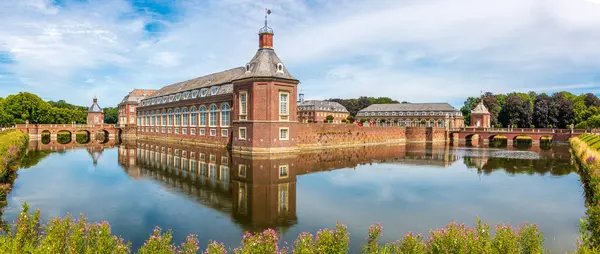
point(329, 118)
point(111, 115)
point(356, 104)
point(27, 106)
point(67, 235)
point(469, 105)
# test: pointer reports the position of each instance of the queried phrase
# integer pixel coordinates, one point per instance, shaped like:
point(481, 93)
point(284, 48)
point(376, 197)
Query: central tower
point(265, 101)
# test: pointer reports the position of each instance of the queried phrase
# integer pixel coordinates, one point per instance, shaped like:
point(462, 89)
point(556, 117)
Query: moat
point(216, 195)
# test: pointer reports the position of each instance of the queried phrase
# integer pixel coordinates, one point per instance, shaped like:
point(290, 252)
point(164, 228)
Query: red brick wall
point(322, 135)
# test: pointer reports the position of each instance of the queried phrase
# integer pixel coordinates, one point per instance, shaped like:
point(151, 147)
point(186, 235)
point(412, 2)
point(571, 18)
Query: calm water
point(209, 192)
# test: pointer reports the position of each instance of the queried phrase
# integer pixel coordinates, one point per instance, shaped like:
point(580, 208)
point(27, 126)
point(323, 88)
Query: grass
point(586, 153)
point(13, 144)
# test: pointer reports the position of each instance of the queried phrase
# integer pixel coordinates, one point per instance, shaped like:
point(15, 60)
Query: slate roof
point(137, 95)
point(480, 109)
point(323, 106)
point(218, 78)
point(410, 107)
point(95, 108)
point(264, 64)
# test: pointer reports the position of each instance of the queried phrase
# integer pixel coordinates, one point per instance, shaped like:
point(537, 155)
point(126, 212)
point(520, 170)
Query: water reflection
point(218, 195)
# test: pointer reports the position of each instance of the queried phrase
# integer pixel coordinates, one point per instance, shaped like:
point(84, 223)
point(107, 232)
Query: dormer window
point(247, 67)
point(171, 98)
point(194, 94)
point(214, 90)
point(186, 95)
point(203, 92)
point(279, 67)
point(178, 97)
point(164, 99)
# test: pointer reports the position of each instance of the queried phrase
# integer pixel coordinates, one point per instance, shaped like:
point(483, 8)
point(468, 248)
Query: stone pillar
point(52, 136)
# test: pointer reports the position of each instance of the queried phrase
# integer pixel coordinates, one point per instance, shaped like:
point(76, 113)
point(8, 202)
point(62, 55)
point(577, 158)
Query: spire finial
point(267, 12)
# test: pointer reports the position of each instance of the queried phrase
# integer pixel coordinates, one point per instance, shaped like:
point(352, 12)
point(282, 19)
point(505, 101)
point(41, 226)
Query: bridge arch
point(82, 136)
point(522, 140)
point(102, 136)
point(472, 139)
point(63, 136)
point(45, 137)
point(498, 140)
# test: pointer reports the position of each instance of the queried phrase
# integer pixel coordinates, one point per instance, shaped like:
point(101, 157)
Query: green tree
point(469, 105)
point(329, 118)
point(111, 115)
point(541, 111)
point(594, 121)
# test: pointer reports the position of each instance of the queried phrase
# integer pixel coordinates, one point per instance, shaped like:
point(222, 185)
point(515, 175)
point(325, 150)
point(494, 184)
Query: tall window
point(184, 117)
point(225, 114)
point(138, 118)
point(283, 105)
point(152, 118)
point(177, 117)
point(193, 117)
point(202, 115)
point(170, 117)
point(243, 105)
point(213, 115)
point(164, 117)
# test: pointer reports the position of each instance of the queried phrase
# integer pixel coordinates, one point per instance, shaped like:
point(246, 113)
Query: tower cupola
point(265, 34)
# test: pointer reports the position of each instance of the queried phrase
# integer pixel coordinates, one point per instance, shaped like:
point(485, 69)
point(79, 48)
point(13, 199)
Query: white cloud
point(438, 50)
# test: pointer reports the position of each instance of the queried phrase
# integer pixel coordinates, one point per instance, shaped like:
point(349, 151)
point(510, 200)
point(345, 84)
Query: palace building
point(250, 108)
point(313, 111)
point(128, 106)
point(441, 115)
point(95, 115)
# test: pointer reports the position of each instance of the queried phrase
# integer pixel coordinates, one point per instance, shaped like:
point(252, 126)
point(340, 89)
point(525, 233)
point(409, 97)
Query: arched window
point(415, 123)
point(225, 114)
point(193, 117)
point(407, 122)
point(431, 123)
point(184, 117)
point(177, 117)
point(440, 124)
point(202, 115)
point(164, 117)
point(170, 117)
point(213, 115)
point(138, 118)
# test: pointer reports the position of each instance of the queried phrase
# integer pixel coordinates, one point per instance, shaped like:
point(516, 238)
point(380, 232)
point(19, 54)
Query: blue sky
point(410, 50)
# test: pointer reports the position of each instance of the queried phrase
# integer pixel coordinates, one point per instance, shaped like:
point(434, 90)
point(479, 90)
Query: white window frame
point(243, 105)
point(202, 132)
point(287, 133)
point(213, 132)
point(286, 169)
point(286, 115)
point(240, 131)
point(224, 133)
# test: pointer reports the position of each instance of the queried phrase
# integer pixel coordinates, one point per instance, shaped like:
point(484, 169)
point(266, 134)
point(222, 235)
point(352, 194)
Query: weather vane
point(267, 12)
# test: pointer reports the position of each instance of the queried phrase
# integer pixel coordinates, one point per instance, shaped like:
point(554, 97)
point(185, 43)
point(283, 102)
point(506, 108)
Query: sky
point(409, 50)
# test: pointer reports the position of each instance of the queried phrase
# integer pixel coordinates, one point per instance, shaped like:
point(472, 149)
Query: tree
point(355, 105)
point(516, 111)
point(541, 111)
point(111, 115)
point(594, 121)
point(492, 103)
point(590, 100)
point(329, 118)
point(561, 110)
point(469, 105)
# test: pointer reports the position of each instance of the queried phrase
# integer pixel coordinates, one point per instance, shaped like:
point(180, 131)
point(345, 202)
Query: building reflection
point(257, 192)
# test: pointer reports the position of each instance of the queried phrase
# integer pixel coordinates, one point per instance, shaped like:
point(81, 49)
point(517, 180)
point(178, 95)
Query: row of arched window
point(182, 117)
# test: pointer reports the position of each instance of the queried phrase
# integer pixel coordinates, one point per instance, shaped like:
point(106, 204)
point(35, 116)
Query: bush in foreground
point(68, 235)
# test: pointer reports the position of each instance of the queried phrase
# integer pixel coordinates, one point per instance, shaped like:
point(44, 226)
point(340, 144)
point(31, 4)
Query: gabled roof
point(324, 105)
point(410, 107)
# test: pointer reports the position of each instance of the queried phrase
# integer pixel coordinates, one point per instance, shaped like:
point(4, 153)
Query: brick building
point(480, 116)
point(128, 106)
point(440, 115)
point(95, 115)
point(250, 108)
point(313, 111)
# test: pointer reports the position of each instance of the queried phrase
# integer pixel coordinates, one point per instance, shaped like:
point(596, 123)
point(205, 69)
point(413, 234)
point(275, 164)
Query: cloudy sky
point(411, 50)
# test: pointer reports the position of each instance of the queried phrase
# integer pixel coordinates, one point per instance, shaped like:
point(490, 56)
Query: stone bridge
point(486, 135)
point(56, 146)
point(35, 131)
